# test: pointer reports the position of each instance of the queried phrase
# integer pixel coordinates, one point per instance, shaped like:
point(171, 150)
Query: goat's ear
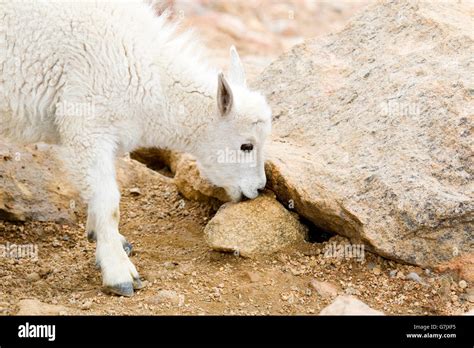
point(236, 73)
point(225, 98)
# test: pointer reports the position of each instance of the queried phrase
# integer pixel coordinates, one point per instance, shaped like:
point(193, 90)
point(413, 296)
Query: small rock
point(376, 270)
point(463, 266)
point(86, 305)
point(33, 277)
point(348, 305)
point(445, 288)
point(170, 264)
point(462, 284)
point(417, 270)
point(469, 295)
point(371, 265)
point(252, 276)
point(352, 291)
point(393, 273)
point(414, 276)
point(325, 289)
point(470, 312)
point(135, 191)
point(36, 307)
point(167, 296)
point(254, 227)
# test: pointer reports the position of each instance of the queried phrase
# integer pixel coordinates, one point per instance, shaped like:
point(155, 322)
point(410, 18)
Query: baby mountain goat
point(103, 78)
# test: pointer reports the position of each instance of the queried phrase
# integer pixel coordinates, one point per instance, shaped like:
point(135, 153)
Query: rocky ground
point(165, 211)
point(184, 276)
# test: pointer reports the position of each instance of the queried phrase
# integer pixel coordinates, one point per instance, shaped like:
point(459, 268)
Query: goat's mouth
point(237, 194)
point(249, 193)
point(252, 195)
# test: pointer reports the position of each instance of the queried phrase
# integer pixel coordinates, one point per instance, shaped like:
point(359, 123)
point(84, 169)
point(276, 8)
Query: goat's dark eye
point(246, 147)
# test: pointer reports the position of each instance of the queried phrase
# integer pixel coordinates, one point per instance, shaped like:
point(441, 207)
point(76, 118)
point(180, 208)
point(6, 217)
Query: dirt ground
point(171, 254)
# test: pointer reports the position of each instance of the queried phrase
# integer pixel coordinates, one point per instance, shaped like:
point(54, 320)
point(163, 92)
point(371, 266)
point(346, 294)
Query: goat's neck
point(183, 108)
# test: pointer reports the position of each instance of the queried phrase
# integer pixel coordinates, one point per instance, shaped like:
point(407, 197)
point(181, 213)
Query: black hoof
point(123, 289)
point(127, 247)
point(91, 237)
point(137, 284)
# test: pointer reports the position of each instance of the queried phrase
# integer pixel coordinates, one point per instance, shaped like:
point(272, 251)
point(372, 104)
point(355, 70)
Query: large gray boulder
point(373, 128)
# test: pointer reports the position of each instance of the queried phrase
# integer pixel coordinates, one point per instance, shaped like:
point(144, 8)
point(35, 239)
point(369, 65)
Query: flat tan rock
point(349, 305)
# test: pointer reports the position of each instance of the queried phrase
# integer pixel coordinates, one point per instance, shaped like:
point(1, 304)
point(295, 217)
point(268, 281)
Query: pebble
point(135, 191)
point(170, 264)
point(352, 291)
point(414, 276)
point(33, 277)
point(463, 284)
point(167, 296)
point(253, 276)
point(86, 305)
point(324, 289)
point(469, 295)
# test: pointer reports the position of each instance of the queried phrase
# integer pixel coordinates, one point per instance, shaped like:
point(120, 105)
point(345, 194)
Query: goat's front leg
point(118, 272)
point(95, 166)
